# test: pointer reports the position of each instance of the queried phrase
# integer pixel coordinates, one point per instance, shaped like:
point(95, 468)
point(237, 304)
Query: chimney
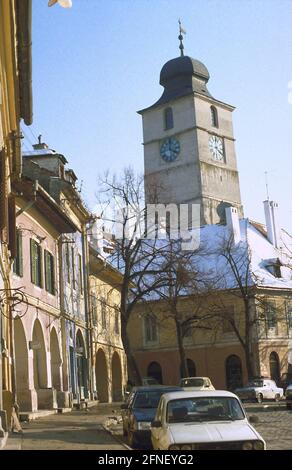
point(272, 224)
point(232, 222)
point(40, 145)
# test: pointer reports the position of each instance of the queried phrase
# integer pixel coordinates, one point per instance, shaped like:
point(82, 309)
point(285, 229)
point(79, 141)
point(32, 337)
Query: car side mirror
point(124, 406)
point(253, 419)
point(156, 424)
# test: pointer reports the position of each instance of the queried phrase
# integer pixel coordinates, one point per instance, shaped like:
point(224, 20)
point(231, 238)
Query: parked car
point(286, 379)
point(139, 411)
point(148, 381)
point(196, 383)
point(260, 390)
point(203, 421)
point(288, 395)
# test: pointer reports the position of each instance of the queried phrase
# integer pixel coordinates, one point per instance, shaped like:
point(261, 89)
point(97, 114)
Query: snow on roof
point(254, 254)
point(35, 153)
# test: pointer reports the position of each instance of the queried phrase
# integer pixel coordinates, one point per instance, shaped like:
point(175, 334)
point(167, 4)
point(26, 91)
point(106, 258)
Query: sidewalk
point(78, 430)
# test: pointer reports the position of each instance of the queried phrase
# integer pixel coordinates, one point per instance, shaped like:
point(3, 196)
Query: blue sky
point(98, 63)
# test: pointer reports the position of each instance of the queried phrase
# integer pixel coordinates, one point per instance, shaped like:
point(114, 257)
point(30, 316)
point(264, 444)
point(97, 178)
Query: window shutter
point(39, 265)
point(32, 261)
point(19, 253)
point(52, 274)
point(12, 226)
point(47, 282)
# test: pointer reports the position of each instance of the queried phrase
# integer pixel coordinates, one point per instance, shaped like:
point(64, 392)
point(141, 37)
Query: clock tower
point(189, 146)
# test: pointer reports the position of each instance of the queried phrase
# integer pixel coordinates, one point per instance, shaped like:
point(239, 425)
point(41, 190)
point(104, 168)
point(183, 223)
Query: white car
point(196, 383)
point(203, 420)
point(288, 395)
point(260, 390)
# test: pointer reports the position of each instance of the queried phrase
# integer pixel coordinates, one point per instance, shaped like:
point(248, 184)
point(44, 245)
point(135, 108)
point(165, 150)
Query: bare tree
point(181, 297)
point(136, 256)
point(235, 277)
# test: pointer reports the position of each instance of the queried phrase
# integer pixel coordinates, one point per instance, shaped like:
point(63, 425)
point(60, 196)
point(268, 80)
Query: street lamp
point(62, 3)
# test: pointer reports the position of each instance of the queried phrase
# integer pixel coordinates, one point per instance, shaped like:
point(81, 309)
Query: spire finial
point(180, 37)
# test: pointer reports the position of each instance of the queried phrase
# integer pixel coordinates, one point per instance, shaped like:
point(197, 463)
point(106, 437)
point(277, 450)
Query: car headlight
point(247, 446)
point(174, 447)
point(258, 445)
point(142, 425)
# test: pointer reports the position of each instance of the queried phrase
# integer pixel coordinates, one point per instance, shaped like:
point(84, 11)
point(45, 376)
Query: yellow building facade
point(109, 360)
point(211, 346)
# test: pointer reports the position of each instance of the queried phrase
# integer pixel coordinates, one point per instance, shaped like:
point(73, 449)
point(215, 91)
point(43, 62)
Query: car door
point(273, 388)
point(270, 393)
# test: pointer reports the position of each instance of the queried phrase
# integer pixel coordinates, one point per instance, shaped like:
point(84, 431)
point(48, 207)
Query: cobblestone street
point(275, 425)
point(77, 430)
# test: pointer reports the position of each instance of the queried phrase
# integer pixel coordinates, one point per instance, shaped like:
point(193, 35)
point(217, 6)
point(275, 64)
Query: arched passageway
point(56, 360)
point(117, 392)
point(101, 374)
point(233, 369)
point(274, 367)
point(81, 363)
point(154, 370)
point(21, 362)
point(40, 375)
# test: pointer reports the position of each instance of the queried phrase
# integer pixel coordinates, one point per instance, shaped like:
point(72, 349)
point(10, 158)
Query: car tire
point(260, 398)
point(277, 397)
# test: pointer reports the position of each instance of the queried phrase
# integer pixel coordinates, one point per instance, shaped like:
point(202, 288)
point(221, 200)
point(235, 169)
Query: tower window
point(214, 116)
point(168, 118)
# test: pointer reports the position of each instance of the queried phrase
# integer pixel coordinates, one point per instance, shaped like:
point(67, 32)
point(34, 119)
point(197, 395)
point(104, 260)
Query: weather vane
point(180, 37)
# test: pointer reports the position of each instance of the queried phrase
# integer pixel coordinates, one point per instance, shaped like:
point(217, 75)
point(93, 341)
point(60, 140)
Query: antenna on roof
point(267, 185)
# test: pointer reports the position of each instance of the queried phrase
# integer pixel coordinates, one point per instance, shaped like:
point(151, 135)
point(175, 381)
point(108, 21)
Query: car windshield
point(200, 409)
point(147, 399)
point(197, 382)
point(150, 382)
point(255, 383)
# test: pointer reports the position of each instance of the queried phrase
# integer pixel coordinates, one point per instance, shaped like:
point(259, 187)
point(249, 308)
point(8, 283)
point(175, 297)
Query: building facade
point(212, 347)
point(15, 104)
point(110, 365)
point(48, 168)
point(38, 358)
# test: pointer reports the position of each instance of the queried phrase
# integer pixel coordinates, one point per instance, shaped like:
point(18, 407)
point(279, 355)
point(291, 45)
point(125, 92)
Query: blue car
point(140, 410)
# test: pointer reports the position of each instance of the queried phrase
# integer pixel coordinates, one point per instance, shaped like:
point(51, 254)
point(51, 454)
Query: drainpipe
point(87, 313)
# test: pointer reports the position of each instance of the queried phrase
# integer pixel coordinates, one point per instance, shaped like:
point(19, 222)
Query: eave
point(24, 20)
point(46, 205)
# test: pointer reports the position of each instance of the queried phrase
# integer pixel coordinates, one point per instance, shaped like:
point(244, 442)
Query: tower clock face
point(216, 148)
point(170, 149)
